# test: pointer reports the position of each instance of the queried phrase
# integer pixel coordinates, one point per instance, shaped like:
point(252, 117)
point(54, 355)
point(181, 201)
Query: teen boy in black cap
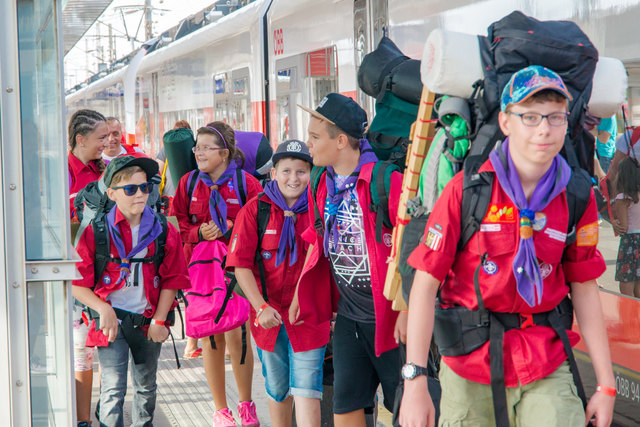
point(350, 264)
point(291, 356)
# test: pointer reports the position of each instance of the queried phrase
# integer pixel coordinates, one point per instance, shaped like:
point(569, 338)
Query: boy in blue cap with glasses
point(517, 270)
point(134, 295)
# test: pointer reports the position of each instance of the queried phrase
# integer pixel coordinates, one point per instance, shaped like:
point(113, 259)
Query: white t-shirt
point(131, 297)
point(623, 142)
point(122, 151)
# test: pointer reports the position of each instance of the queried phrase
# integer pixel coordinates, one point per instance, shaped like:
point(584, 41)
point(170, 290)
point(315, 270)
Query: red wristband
point(609, 391)
point(159, 322)
point(262, 307)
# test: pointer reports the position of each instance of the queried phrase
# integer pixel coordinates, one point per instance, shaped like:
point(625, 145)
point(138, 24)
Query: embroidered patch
point(588, 235)
point(294, 146)
point(490, 268)
point(233, 244)
point(545, 270)
point(433, 239)
point(500, 213)
point(438, 227)
point(194, 199)
point(386, 239)
point(490, 227)
point(556, 234)
point(266, 255)
point(540, 222)
point(230, 184)
point(270, 231)
point(233, 201)
point(156, 282)
point(106, 279)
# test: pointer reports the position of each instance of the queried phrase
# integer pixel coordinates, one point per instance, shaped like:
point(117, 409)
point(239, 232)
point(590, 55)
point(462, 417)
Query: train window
point(231, 99)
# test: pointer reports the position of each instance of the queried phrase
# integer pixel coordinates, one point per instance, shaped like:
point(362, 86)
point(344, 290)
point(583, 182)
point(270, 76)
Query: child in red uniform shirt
point(349, 255)
point(523, 266)
point(209, 215)
point(291, 356)
point(136, 295)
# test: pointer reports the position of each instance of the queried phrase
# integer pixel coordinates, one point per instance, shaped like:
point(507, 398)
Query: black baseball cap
point(343, 112)
point(292, 148)
point(148, 165)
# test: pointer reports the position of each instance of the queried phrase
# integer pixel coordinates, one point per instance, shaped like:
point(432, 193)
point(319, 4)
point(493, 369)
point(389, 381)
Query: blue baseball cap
point(529, 81)
point(343, 112)
point(292, 148)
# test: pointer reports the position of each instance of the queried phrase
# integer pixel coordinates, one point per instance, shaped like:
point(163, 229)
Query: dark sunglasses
point(132, 189)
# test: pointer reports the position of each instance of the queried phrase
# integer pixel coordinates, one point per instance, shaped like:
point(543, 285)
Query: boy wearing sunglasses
point(131, 297)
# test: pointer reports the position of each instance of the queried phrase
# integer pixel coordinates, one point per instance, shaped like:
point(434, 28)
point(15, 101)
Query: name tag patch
point(490, 227)
point(270, 232)
point(233, 201)
point(556, 234)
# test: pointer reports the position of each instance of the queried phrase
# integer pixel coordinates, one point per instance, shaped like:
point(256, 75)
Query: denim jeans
point(114, 360)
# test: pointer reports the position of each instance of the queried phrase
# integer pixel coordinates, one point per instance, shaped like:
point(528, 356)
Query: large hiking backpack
point(393, 79)
point(179, 157)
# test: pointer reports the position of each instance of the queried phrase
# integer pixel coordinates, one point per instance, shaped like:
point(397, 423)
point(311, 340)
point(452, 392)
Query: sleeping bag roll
point(451, 64)
point(177, 147)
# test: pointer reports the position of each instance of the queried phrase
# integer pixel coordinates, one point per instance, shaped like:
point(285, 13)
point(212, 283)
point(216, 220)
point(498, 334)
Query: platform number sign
point(278, 42)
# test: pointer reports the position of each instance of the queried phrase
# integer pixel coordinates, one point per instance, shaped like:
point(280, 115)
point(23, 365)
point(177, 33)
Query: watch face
point(408, 371)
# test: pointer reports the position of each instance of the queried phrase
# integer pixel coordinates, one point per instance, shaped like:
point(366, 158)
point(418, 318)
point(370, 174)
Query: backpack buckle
point(526, 321)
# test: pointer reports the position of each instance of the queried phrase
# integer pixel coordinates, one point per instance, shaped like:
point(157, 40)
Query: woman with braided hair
point(88, 136)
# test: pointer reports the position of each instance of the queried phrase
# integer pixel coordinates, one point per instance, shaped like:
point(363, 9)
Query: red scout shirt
point(281, 281)
point(199, 207)
point(318, 297)
point(535, 352)
point(79, 176)
point(172, 275)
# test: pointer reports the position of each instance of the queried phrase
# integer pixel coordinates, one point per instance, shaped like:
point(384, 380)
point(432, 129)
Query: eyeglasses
point(205, 148)
point(132, 189)
point(534, 119)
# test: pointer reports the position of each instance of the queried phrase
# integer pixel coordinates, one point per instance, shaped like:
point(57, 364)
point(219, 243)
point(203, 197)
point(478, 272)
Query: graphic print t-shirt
point(349, 258)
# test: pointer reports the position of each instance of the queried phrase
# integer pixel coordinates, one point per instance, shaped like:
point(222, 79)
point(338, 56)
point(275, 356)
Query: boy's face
point(115, 139)
point(292, 176)
point(323, 149)
point(209, 155)
point(533, 146)
point(130, 206)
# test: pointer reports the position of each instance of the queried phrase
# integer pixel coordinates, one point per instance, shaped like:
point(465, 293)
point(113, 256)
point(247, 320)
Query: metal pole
point(148, 20)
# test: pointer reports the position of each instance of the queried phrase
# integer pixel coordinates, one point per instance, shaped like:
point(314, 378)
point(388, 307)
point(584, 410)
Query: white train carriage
point(254, 65)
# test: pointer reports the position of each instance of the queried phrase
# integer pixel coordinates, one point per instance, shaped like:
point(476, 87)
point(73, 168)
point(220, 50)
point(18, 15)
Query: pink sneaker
point(247, 412)
point(223, 418)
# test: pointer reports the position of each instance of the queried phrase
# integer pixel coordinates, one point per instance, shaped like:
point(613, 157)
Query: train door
point(302, 79)
point(370, 23)
point(240, 101)
point(288, 95)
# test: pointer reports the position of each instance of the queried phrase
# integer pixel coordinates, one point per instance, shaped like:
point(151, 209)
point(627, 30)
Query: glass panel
point(49, 354)
point(43, 149)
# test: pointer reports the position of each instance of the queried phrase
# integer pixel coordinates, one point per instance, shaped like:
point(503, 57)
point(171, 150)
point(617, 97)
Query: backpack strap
point(380, 185)
point(191, 186)
point(161, 242)
point(476, 195)
point(103, 252)
point(262, 219)
point(241, 190)
point(318, 223)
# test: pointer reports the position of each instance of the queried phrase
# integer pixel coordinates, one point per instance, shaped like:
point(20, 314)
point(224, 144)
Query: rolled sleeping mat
point(257, 152)
point(177, 147)
point(451, 64)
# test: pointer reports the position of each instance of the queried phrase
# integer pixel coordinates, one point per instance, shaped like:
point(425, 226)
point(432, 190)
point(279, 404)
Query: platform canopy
point(77, 17)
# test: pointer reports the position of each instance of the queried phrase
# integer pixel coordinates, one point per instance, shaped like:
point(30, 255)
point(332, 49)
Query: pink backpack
point(212, 306)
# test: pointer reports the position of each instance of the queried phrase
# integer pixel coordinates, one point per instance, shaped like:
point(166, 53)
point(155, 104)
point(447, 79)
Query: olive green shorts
point(550, 401)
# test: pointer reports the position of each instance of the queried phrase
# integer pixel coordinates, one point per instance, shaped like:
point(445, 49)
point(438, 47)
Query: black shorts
point(357, 370)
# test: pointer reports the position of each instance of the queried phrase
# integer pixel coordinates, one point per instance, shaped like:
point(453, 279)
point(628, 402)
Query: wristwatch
point(411, 370)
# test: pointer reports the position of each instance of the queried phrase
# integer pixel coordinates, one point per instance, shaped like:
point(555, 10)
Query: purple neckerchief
point(525, 264)
point(217, 204)
point(150, 229)
point(335, 195)
point(288, 235)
